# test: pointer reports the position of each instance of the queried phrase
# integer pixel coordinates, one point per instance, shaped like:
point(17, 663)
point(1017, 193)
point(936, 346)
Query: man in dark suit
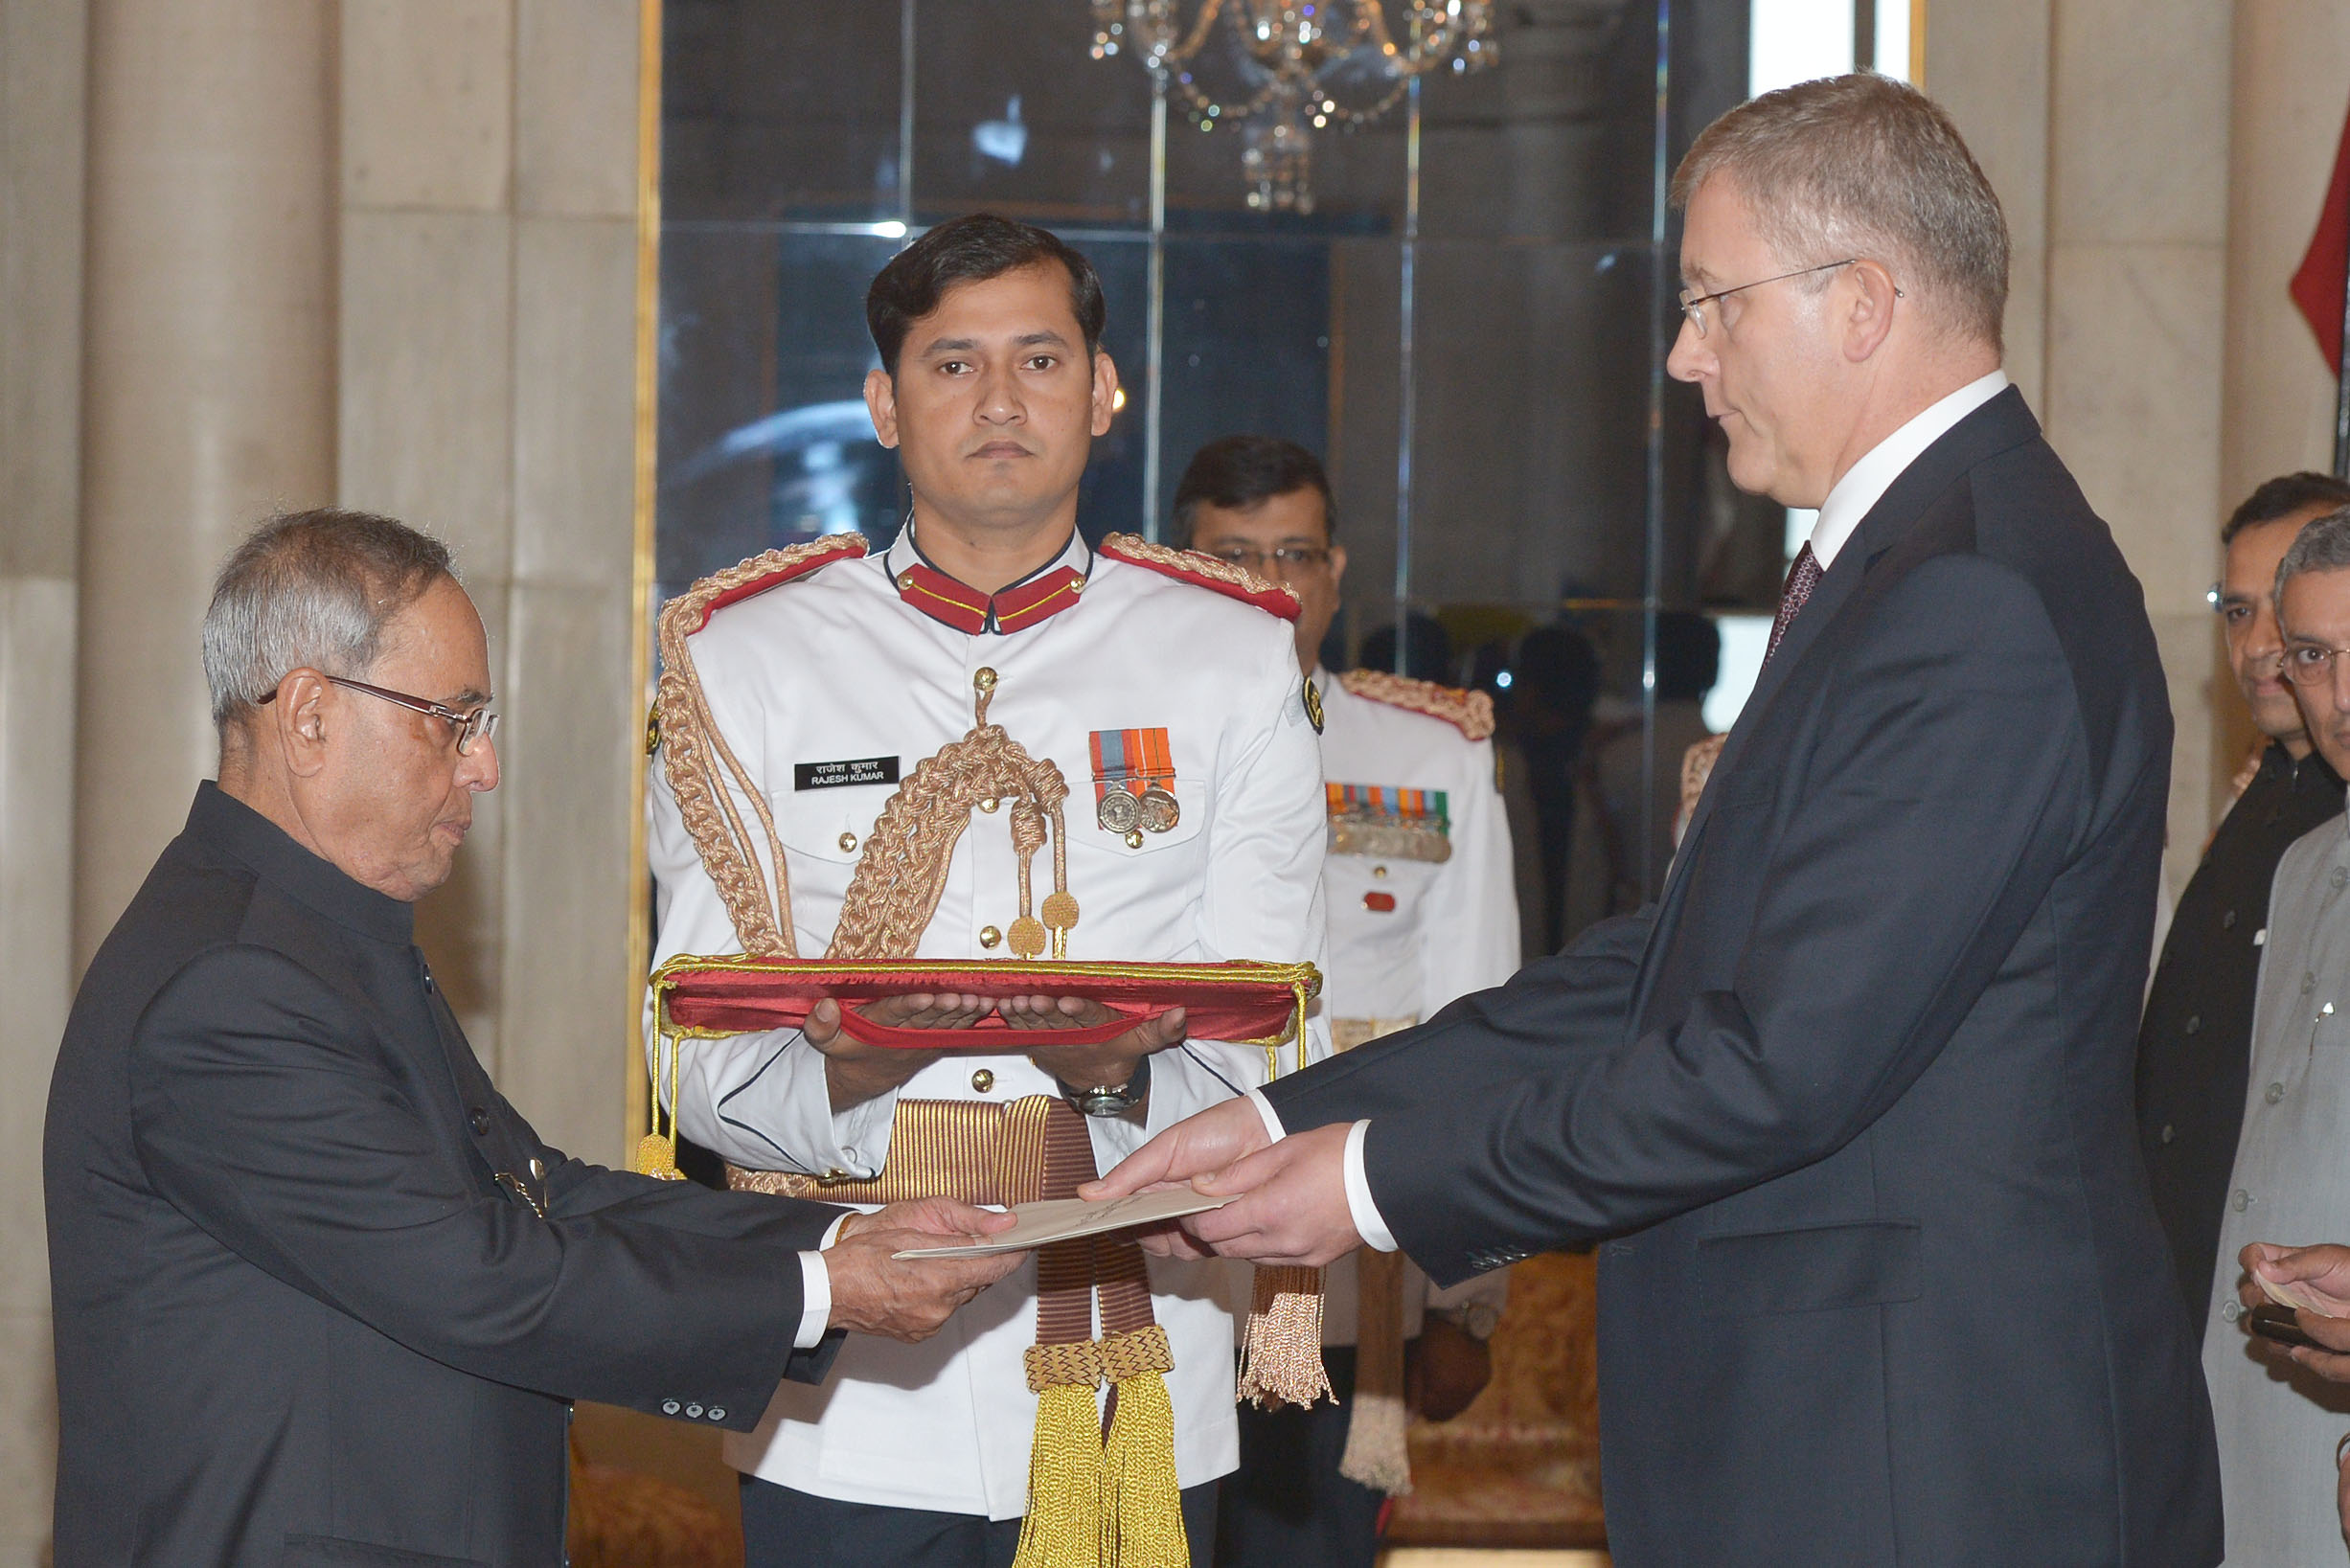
point(2195, 1040)
point(1850, 1109)
point(321, 1295)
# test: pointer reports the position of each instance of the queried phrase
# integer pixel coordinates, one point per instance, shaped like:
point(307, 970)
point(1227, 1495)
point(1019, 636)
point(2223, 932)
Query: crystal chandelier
point(1299, 65)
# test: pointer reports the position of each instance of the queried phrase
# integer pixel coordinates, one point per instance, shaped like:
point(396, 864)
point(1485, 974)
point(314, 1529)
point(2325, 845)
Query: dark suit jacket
point(1851, 1108)
point(298, 1320)
point(2195, 1044)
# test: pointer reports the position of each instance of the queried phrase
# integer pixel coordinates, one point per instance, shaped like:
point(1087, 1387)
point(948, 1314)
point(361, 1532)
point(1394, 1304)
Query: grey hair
point(311, 589)
point(1864, 166)
point(2323, 545)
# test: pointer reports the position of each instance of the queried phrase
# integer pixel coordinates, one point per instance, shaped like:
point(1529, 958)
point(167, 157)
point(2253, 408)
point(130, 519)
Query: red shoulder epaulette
point(1204, 571)
point(771, 569)
point(1471, 713)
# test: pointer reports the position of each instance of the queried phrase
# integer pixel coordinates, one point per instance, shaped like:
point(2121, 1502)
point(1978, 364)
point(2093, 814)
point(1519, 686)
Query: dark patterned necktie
point(1801, 579)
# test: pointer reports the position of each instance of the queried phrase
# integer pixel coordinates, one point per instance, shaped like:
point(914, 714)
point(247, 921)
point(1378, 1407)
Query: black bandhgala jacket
point(299, 1318)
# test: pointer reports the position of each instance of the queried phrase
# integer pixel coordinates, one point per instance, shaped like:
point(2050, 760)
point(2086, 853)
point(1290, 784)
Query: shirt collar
point(227, 823)
point(1867, 481)
point(1016, 606)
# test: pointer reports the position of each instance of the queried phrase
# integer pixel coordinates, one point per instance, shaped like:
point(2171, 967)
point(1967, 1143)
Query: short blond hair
point(1865, 166)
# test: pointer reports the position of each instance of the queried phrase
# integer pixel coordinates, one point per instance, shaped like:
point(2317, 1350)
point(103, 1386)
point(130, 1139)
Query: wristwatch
point(1107, 1100)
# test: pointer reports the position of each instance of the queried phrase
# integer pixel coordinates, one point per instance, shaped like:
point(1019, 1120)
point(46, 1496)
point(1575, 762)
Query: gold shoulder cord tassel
point(656, 1152)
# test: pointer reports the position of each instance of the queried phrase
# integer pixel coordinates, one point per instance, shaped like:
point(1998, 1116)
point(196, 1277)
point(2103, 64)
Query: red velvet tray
point(1241, 1000)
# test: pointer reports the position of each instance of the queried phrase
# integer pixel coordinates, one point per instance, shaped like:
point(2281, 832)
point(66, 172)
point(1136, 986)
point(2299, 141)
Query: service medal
point(1119, 811)
point(1159, 810)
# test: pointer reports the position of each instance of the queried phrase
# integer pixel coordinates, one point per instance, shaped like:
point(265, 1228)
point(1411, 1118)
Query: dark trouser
point(786, 1528)
point(1288, 1505)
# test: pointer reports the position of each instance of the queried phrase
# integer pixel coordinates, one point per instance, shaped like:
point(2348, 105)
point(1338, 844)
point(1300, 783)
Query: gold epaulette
point(694, 754)
point(1204, 571)
point(1471, 713)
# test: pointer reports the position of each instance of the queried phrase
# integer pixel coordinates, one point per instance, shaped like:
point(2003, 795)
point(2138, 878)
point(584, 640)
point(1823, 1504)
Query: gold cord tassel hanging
point(1281, 1353)
point(656, 1152)
point(1064, 1527)
point(1142, 1506)
point(1377, 1454)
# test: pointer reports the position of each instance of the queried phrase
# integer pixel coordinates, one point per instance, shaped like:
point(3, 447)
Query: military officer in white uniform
point(1165, 690)
point(1423, 908)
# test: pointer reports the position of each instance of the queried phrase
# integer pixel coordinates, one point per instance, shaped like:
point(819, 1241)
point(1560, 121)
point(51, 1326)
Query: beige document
point(1066, 1218)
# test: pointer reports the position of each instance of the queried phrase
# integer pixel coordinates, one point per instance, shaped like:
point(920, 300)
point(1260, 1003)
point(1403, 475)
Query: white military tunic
point(2278, 1423)
point(1407, 935)
point(842, 677)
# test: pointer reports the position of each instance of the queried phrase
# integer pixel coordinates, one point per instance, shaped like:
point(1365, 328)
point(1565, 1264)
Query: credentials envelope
point(1068, 1218)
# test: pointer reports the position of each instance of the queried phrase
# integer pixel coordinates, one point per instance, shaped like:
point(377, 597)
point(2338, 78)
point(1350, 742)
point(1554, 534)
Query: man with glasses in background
point(2280, 1423)
point(2194, 1040)
point(1423, 907)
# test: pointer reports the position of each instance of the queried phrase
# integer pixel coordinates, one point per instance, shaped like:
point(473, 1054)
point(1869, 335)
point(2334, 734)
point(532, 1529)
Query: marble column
point(43, 47)
point(208, 388)
point(2118, 201)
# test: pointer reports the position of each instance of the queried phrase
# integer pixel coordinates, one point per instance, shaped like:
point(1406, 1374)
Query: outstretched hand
point(1293, 1205)
point(1293, 1208)
point(910, 1299)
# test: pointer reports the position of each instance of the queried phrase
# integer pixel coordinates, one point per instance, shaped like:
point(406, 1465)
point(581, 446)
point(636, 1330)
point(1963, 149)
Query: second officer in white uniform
point(1165, 692)
point(1423, 908)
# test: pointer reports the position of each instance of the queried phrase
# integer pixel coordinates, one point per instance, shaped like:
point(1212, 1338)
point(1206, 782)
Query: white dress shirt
point(1848, 502)
point(844, 666)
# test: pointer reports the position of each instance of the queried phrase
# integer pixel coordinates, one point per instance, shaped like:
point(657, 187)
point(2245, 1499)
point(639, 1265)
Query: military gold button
point(989, 936)
point(1379, 871)
point(906, 580)
point(983, 1080)
point(1134, 839)
point(983, 679)
point(988, 803)
point(848, 842)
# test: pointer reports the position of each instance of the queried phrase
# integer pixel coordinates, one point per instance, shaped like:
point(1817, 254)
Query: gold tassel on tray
point(1281, 1353)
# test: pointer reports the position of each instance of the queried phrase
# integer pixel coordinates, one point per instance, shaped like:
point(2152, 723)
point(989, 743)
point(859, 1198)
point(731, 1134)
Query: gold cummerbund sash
point(974, 1151)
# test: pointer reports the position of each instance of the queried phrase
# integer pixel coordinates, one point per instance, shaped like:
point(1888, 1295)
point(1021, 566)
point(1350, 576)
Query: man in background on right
point(2279, 1426)
point(2194, 1039)
point(1423, 907)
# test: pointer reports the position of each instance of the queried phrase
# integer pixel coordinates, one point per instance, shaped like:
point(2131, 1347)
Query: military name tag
point(862, 770)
